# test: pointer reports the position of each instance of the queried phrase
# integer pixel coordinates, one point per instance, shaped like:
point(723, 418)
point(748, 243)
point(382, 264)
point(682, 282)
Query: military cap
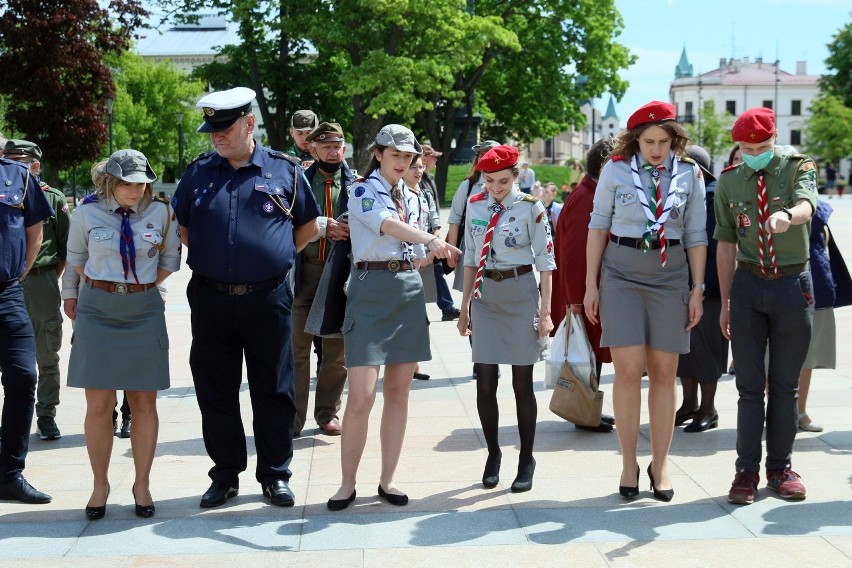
point(654, 112)
point(485, 146)
point(398, 137)
point(754, 125)
point(17, 147)
point(326, 132)
point(131, 166)
point(702, 157)
point(498, 158)
point(304, 120)
point(223, 108)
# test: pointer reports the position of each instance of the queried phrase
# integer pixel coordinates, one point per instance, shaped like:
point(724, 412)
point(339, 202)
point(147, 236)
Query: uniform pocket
point(348, 325)
point(54, 333)
point(163, 357)
point(805, 289)
point(101, 235)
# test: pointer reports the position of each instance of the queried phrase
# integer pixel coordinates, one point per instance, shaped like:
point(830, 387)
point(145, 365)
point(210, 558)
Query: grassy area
point(559, 175)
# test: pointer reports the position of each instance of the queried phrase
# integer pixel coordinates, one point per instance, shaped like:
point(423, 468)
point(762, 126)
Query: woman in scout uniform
point(385, 320)
point(506, 233)
point(122, 243)
point(648, 217)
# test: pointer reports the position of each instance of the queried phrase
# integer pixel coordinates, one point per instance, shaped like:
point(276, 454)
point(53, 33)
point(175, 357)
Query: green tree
point(829, 129)
point(839, 60)
point(712, 131)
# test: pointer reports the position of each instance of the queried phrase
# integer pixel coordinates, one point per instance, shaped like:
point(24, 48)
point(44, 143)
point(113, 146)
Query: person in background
point(526, 178)
point(708, 354)
point(508, 320)
point(41, 291)
point(569, 247)
point(734, 158)
point(552, 207)
point(301, 124)
point(649, 205)
point(830, 179)
point(762, 225)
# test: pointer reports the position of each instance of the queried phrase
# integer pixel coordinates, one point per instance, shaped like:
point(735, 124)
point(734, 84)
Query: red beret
point(754, 125)
point(498, 158)
point(651, 113)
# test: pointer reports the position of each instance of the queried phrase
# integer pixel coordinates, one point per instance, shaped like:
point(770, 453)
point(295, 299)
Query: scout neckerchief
point(126, 247)
point(764, 239)
point(329, 212)
point(496, 209)
point(662, 208)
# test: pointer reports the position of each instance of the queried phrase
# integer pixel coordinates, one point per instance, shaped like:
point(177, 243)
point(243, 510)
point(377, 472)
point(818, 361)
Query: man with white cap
point(244, 212)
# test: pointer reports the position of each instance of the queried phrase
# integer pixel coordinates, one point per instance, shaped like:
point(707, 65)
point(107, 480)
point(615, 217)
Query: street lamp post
point(110, 102)
point(179, 117)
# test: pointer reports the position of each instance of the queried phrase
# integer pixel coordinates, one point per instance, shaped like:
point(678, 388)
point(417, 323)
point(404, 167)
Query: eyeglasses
point(417, 168)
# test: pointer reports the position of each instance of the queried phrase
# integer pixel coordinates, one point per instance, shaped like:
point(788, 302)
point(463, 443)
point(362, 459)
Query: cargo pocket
point(348, 324)
point(54, 333)
point(164, 351)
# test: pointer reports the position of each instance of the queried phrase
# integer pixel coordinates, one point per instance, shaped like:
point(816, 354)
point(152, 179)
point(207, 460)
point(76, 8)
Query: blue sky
point(789, 30)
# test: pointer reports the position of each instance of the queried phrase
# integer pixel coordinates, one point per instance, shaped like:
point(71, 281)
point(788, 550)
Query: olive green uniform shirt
point(318, 187)
point(789, 178)
point(53, 245)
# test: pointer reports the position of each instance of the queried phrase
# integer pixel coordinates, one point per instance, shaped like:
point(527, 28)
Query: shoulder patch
point(808, 165)
point(284, 156)
point(478, 196)
point(729, 168)
point(617, 158)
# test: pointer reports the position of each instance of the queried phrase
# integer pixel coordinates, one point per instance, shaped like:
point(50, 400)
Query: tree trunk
point(364, 130)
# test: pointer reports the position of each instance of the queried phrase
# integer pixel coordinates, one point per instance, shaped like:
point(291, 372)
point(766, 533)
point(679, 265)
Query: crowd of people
point(665, 261)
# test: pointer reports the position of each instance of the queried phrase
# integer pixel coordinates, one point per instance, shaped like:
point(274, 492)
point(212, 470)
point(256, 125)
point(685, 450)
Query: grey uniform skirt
point(120, 342)
point(385, 321)
point(822, 352)
point(642, 303)
point(504, 322)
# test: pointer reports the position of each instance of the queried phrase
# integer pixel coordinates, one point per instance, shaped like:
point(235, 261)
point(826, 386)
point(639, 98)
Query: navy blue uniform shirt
point(17, 212)
point(237, 232)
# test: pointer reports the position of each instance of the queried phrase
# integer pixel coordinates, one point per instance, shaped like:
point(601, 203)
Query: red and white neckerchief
point(764, 238)
point(657, 215)
point(496, 209)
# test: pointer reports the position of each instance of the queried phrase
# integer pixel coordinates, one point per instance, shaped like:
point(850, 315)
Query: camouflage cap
point(17, 147)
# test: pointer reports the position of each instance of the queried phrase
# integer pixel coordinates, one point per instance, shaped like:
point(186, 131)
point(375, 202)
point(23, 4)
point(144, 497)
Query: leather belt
point(313, 260)
point(241, 289)
point(120, 288)
point(392, 265)
point(640, 243)
point(498, 275)
point(789, 270)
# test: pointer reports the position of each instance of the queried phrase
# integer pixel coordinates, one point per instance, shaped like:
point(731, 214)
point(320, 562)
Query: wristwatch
point(700, 285)
point(789, 213)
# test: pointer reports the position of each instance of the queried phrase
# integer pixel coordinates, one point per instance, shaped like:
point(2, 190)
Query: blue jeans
point(445, 300)
point(18, 368)
point(780, 313)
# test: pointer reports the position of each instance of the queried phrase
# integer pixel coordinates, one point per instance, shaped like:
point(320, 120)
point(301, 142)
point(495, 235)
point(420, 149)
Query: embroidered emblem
point(209, 111)
point(359, 191)
point(268, 207)
point(367, 205)
point(149, 226)
point(152, 252)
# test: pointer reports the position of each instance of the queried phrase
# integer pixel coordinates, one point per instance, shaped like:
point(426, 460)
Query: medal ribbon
point(126, 246)
point(329, 212)
point(496, 209)
point(764, 239)
point(661, 209)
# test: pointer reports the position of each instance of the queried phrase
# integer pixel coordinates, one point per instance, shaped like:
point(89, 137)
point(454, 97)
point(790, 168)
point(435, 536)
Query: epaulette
point(292, 159)
point(160, 199)
point(478, 196)
point(201, 157)
point(528, 197)
point(729, 168)
point(687, 159)
point(91, 198)
point(617, 158)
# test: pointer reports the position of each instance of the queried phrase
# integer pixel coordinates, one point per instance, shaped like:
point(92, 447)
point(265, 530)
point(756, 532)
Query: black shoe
point(450, 315)
point(125, 428)
point(340, 504)
point(95, 513)
point(19, 489)
point(683, 416)
point(491, 475)
point(421, 376)
point(630, 492)
point(523, 482)
point(47, 430)
point(393, 498)
point(660, 494)
point(603, 427)
point(706, 423)
point(217, 494)
point(279, 493)
point(608, 419)
point(144, 511)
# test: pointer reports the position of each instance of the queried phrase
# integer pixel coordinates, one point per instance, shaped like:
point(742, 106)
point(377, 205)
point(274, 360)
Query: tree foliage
point(712, 132)
point(53, 73)
point(840, 61)
point(829, 129)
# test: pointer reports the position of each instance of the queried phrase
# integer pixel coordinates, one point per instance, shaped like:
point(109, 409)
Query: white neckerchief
point(656, 222)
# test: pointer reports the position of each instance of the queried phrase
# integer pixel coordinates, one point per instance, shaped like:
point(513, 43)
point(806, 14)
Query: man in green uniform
point(763, 210)
point(41, 292)
point(301, 124)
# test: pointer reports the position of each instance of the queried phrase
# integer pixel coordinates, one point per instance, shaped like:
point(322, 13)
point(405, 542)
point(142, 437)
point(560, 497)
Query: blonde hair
point(105, 186)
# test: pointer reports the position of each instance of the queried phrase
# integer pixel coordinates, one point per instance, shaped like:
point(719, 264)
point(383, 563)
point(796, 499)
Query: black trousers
point(225, 329)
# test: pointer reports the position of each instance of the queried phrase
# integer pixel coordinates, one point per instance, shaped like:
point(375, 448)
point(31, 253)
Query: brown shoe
point(744, 488)
point(331, 428)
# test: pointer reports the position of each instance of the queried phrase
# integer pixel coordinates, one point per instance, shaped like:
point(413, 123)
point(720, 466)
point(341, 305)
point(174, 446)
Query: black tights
point(525, 403)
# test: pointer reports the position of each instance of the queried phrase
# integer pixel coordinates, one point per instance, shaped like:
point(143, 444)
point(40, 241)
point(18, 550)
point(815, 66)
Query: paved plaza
point(572, 517)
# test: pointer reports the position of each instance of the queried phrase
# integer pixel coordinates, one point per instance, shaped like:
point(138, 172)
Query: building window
point(731, 107)
point(688, 113)
point(796, 108)
point(548, 148)
point(767, 104)
point(795, 137)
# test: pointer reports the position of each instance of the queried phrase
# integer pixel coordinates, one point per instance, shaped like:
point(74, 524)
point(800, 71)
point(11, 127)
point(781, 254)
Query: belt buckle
point(496, 276)
point(238, 289)
point(120, 288)
point(770, 275)
point(393, 265)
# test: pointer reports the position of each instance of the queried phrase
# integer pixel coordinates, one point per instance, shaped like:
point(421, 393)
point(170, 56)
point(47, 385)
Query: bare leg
point(143, 441)
point(629, 363)
point(99, 437)
point(359, 403)
point(395, 388)
point(662, 367)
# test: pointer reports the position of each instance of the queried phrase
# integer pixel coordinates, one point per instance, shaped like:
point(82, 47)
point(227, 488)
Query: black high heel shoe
point(630, 492)
point(524, 481)
point(95, 513)
point(491, 475)
point(682, 418)
point(144, 511)
point(705, 423)
point(660, 494)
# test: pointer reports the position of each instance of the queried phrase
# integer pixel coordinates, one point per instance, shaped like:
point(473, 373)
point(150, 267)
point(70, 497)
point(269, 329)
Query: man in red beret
point(763, 211)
